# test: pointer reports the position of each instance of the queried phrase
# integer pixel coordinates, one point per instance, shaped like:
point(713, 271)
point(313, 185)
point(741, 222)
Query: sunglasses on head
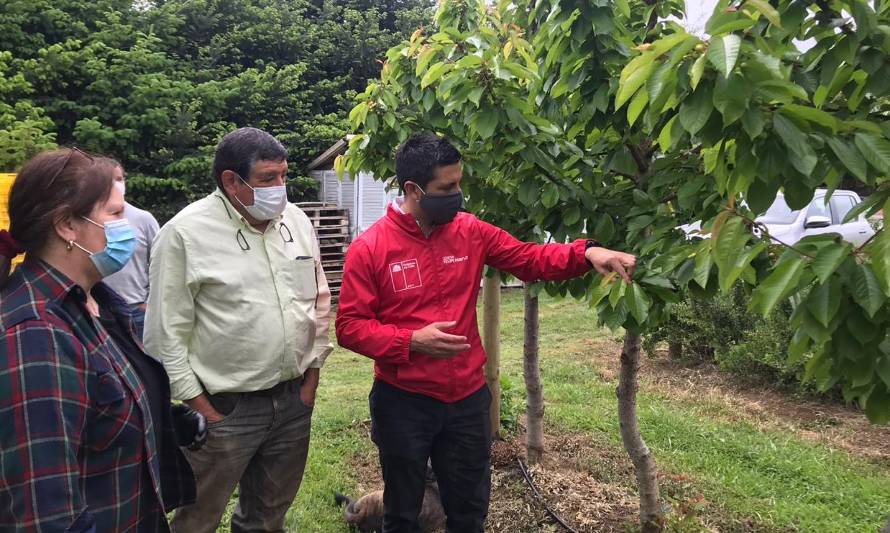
point(71, 152)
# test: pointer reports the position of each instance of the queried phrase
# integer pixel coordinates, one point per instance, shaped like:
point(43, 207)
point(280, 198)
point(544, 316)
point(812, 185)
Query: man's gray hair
point(240, 149)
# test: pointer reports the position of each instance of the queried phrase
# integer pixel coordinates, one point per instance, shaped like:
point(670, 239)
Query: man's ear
point(412, 190)
point(229, 181)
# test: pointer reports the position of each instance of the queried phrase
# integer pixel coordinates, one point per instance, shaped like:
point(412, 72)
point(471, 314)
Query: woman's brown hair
point(52, 185)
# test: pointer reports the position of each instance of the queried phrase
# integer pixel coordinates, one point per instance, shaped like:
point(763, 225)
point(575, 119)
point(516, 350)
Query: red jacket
point(396, 281)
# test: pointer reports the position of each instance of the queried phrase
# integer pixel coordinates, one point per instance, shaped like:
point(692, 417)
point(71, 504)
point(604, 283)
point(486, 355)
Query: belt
point(289, 385)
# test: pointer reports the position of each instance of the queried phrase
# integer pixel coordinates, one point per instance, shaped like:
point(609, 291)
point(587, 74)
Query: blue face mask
point(120, 245)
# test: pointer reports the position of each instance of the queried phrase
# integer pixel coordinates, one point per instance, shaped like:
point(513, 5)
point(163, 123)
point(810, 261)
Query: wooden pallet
point(328, 232)
point(331, 224)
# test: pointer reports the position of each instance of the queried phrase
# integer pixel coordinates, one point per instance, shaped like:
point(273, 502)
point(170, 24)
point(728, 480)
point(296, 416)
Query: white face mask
point(268, 202)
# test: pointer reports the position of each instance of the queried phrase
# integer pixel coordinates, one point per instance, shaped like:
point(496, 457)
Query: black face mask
point(441, 208)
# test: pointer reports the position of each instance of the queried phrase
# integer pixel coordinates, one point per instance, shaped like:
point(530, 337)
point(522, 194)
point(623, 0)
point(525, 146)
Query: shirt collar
point(49, 281)
point(397, 204)
point(35, 284)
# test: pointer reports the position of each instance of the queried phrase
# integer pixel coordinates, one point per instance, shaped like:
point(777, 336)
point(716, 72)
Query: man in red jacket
point(408, 301)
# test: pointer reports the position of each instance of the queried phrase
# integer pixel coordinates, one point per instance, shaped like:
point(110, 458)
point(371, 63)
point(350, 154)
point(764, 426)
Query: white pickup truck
point(789, 226)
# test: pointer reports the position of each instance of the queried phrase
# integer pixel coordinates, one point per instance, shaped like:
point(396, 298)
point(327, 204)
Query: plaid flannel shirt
point(77, 448)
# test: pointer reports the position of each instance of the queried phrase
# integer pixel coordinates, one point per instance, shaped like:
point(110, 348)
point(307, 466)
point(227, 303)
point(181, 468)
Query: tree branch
point(765, 231)
point(861, 248)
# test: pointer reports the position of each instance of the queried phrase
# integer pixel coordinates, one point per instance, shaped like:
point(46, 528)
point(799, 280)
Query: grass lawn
point(740, 475)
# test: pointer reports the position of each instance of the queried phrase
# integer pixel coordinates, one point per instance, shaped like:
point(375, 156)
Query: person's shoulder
point(195, 216)
point(136, 213)
point(464, 218)
point(25, 316)
point(378, 230)
point(292, 213)
point(139, 216)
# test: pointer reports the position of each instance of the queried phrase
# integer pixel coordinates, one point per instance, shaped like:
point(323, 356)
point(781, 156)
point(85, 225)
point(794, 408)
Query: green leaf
point(767, 10)
point(823, 301)
point(781, 90)
point(623, 7)
point(875, 150)
point(879, 251)
point(528, 192)
point(604, 229)
point(434, 73)
point(666, 44)
point(424, 59)
point(820, 96)
point(703, 262)
point(736, 25)
point(883, 369)
point(849, 156)
point(696, 110)
point(724, 52)
point(629, 84)
point(485, 122)
point(828, 259)
point(599, 292)
point(572, 215)
point(658, 81)
point(860, 327)
point(866, 20)
point(469, 61)
point(753, 123)
point(866, 290)
point(838, 80)
point(729, 99)
point(550, 197)
point(778, 285)
point(729, 241)
point(695, 73)
point(637, 104)
point(811, 114)
point(800, 344)
point(668, 136)
point(877, 407)
point(358, 115)
point(638, 302)
point(805, 160)
point(618, 290)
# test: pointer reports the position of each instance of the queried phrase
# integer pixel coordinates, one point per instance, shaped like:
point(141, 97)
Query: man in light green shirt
point(238, 311)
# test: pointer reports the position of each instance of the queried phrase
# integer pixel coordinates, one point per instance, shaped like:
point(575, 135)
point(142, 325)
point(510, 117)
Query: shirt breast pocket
point(114, 420)
point(109, 389)
point(304, 281)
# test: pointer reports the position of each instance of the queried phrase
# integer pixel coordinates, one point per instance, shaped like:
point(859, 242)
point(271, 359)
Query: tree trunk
point(491, 341)
point(534, 391)
point(675, 350)
point(651, 517)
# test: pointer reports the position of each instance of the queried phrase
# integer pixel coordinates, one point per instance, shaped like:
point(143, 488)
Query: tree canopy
point(606, 117)
point(157, 84)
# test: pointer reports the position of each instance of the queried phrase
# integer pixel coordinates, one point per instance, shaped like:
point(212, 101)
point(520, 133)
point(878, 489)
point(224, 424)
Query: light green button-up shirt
point(231, 309)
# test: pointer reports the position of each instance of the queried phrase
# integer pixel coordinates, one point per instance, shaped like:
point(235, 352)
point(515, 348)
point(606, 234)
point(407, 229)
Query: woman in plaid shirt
point(87, 438)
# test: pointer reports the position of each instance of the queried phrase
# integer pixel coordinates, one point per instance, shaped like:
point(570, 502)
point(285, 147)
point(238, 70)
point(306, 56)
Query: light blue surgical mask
point(120, 243)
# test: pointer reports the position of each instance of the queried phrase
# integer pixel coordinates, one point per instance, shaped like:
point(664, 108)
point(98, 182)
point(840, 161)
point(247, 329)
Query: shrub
point(512, 405)
point(721, 330)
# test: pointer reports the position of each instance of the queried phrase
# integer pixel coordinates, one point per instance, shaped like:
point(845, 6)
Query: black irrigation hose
point(551, 512)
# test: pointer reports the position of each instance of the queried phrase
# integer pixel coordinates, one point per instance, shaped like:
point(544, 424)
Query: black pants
point(410, 429)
